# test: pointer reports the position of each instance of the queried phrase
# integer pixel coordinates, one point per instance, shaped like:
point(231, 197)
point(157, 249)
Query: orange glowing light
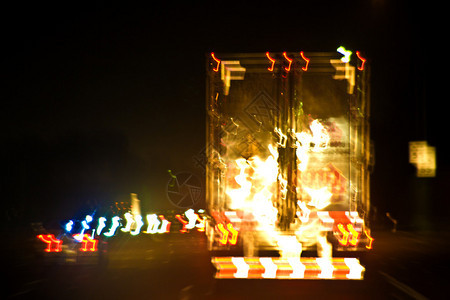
point(201, 226)
point(289, 60)
point(182, 221)
point(369, 246)
point(223, 240)
point(305, 68)
point(89, 244)
point(216, 69)
point(363, 60)
point(50, 239)
point(272, 60)
point(165, 226)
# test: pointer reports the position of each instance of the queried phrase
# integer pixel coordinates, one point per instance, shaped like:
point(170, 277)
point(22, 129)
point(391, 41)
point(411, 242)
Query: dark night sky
point(99, 100)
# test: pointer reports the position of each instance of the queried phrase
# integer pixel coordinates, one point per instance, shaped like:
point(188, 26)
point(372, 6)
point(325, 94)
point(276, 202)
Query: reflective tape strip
point(288, 268)
point(355, 220)
point(326, 220)
point(232, 217)
point(329, 219)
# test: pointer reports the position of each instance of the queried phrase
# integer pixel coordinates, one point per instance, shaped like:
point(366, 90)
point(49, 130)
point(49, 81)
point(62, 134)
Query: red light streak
point(272, 60)
point(50, 239)
point(216, 69)
point(305, 68)
point(370, 240)
point(182, 221)
point(363, 60)
point(289, 60)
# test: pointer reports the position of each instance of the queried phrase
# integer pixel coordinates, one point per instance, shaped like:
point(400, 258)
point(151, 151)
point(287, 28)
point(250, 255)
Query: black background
point(101, 99)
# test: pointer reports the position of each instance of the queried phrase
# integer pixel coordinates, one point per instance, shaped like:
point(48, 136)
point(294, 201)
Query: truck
point(288, 155)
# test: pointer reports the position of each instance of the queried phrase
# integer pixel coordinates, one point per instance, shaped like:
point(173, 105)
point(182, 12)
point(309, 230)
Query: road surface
point(402, 265)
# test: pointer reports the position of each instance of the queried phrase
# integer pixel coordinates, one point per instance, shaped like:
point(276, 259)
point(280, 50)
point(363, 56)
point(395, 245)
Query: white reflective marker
point(130, 220)
point(114, 226)
point(355, 268)
point(269, 267)
point(153, 223)
point(101, 225)
point(298, 269)
point(242, 267)
point(326, 266)
point(139, 224)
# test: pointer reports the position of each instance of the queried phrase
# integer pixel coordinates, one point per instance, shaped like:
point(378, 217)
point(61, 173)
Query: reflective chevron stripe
point(288, 268)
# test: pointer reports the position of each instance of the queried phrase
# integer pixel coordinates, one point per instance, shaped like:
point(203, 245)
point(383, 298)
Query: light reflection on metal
point(344, 71)
point(305, 68)
point(363, 60)
point(231, 70)
point(282, 136)
point(288, 268)
point(320, 198)
point(272, 61)
point(216, 69)
point(53, 244)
